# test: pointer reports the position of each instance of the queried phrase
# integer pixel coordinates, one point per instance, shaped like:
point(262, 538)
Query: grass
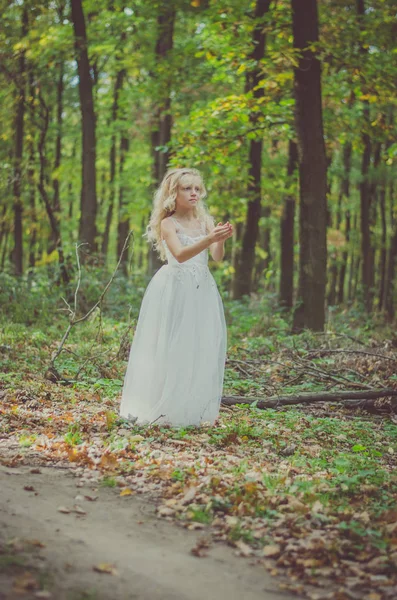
point(318, 467)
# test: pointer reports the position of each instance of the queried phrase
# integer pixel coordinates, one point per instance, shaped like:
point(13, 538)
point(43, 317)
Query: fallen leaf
point(136, 438)
point(26, 582)
point(91, 498)
point(29, 488)
point(271, 550)
point(63, 509)
point(79, 510)
point(165, 511)
point(189, 495)
point(317, 507)
point(108, 461)
point(36, 543)
point(127, 492)
point(243, 548)
point(106, 568)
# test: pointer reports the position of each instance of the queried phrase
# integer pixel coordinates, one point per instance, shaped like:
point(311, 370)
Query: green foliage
point(73, 436)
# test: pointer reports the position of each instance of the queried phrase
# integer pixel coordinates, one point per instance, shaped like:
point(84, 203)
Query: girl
point(176, 364)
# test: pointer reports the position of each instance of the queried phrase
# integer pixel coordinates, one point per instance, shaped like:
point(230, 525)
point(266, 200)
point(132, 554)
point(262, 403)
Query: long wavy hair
point(164, 204)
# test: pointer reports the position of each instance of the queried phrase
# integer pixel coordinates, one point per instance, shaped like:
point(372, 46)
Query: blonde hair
point(164, 204)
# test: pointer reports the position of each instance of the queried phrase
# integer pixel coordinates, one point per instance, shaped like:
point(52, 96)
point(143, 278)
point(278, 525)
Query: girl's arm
point(217, 248)
point(183, 253)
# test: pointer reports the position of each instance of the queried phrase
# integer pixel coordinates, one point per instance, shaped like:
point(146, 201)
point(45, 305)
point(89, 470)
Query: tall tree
point(162, 117)
point(344, 196)
point(88, 203)
point(243, 277)
point(310, 307)
point(17, 253)
point(287, 234)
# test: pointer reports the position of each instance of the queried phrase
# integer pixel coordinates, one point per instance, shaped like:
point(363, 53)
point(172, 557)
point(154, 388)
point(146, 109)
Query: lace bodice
point(188, 237)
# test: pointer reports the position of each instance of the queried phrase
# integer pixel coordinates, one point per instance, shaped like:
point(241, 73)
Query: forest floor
point(111, 548)
point(305, 495)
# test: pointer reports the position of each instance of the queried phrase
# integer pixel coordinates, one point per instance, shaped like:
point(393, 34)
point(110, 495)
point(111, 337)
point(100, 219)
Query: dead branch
point(353, 398)
point(340, 350)
point(72, 319)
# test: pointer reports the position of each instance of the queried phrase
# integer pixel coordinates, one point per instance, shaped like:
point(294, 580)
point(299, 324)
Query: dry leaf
point(165, 511)
point(26, 582)
point(189, 495)
point(127, 492)
point(243, 548)
point(136, 438)
point(79, 510)
point(106, 568)
point(272, 550)
point(108, 461)
point(63, 509)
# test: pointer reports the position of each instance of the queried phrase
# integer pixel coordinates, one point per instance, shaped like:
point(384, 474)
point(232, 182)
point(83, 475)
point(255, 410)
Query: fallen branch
point(342, 351)
point(353, 398)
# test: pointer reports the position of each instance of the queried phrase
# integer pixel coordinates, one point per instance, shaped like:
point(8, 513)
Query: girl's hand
point(221, 232)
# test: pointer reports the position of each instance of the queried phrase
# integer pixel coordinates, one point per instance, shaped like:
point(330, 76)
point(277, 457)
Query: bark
point(88, 203)
point(53, 216)
point(310, 309)
point(242, 283)
point(31, 182)
point(236, 250)
point(383, 252)
point(162, 117)
point(5, 235)
point(367, 250)
point(112, 158)
point(391, 264)
point(58, 142)
point(345, 192)
point(17, 253)
point(356, 398)
point(123, 226)
point(287, 234)
point(4, 232)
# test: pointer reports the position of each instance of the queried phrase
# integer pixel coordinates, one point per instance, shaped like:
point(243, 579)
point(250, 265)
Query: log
point(352, 399)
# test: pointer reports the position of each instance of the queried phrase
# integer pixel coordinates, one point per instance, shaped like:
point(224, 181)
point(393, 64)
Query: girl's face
point(189, 192)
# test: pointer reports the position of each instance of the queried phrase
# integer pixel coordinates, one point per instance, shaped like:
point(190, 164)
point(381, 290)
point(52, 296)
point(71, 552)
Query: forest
point(288, 110)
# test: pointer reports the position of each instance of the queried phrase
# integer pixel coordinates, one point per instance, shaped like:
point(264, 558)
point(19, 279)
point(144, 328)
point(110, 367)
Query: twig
point(340, 350)
point(73, 321)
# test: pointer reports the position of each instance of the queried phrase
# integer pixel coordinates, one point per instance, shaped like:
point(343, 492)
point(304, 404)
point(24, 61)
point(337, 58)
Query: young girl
point(176, 364)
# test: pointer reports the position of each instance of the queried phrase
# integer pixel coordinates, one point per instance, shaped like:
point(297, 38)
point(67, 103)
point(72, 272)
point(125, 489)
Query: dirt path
point(152, 557)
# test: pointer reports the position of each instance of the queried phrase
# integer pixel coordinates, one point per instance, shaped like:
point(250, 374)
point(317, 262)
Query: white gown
point(177, 358)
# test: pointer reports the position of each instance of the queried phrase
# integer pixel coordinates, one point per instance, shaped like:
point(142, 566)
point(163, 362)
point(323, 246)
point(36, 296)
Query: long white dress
point(177, 358)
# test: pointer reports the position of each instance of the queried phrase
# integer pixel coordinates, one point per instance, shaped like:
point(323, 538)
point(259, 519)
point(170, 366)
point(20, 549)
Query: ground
point(140, 556)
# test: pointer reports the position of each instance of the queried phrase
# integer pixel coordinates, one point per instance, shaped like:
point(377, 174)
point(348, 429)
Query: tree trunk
point(162, 119)
point(310, 309)
point(243, 276)
point(53, 216)
point(112, 159)
point(17, 253)
point(383, 254)
point(123, 226)
point(56, 202)
point(31, 182)
point(287, 233)
point(391, 264)
point(345, 192)
point(4, 232)
point(88, 204)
